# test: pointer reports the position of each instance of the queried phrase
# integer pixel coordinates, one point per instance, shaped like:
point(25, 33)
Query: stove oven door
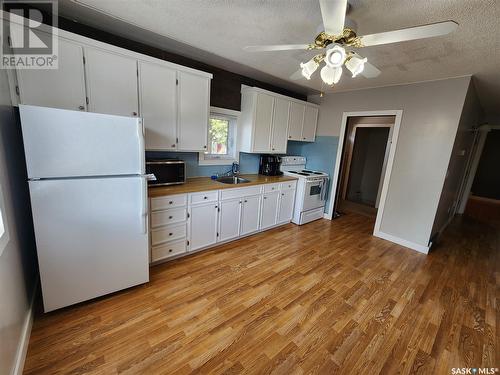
point(315, 193)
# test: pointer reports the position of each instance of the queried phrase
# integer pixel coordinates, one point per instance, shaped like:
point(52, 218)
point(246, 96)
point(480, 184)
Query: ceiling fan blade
point(412, 33)
point(297, 75)
point(370, 71)
point(278, 47)
point(333, 13)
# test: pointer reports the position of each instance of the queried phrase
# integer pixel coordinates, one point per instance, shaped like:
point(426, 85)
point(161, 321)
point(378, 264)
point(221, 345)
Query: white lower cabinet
point(269, 212)
point(203, 225)
point(168, 222)
point(287, 201)
point(229, 219)
point(216, 216)
point(250, 215)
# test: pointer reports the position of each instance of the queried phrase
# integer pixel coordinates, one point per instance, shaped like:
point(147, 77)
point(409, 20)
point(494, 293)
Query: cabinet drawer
point(269, 188)
point(168, 250)
point(204, 197)
point(240, 192)
point(174, 215)
point(168, 233)
point(168, 201)
point(289, 185)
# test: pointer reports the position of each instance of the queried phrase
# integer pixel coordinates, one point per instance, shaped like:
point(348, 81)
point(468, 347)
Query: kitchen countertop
point(195, 184)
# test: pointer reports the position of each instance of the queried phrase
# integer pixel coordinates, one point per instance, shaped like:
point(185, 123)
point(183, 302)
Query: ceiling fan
point(337, 42)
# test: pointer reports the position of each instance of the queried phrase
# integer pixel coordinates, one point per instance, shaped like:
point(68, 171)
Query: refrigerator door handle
point(144, 216)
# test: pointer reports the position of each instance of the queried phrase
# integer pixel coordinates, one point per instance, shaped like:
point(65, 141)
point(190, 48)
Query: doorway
point(364, 162)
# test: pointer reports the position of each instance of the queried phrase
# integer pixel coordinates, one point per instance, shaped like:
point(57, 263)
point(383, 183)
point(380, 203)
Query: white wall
point(18, 260)
point(470, 118)
point(431, 113)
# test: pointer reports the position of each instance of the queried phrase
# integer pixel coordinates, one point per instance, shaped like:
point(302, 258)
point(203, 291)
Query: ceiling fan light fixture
point(356, 65)
point(335, 56)
point(331, 75)
point(309, 68)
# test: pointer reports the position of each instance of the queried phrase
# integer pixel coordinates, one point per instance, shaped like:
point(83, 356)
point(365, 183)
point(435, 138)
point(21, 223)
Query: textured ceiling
point(214, 31)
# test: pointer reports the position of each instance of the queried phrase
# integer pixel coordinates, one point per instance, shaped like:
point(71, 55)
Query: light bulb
point(335, 56)
point(330, 75)
point(356, 64)
point(309, 68)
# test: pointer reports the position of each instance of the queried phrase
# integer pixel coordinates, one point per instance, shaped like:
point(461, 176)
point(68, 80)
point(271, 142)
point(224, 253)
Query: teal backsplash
point(249, 163)
point(320, 155)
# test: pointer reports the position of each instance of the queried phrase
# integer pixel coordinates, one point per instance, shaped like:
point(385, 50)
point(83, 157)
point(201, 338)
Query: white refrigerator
point(89, 201)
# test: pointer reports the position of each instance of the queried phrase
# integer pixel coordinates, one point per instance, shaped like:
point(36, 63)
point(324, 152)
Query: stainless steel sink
point(232, 180)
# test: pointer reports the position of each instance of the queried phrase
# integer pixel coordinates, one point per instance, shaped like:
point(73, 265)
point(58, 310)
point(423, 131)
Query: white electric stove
point(312, 187)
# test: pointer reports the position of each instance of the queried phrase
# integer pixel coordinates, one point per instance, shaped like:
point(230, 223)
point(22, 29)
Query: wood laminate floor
point(323, 298)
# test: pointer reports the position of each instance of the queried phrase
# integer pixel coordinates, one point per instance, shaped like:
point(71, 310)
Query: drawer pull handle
point(170, 234)
point(170, 217)
point(283, 194)
point(246, 201)
point(171, 202)
point(205, 197)
point(169, 250)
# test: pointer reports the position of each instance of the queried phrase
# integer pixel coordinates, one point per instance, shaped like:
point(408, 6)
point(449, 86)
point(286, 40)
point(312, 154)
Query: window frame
point(4, 237)
point(211, 159)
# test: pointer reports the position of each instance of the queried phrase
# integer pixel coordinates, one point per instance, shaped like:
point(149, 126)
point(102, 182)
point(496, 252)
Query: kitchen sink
point(232, 180)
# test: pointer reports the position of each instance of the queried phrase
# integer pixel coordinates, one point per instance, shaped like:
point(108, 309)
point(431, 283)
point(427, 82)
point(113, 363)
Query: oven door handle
point(324, 189)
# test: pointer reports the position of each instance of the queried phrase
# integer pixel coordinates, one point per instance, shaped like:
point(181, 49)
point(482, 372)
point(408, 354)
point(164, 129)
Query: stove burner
point(301, 173)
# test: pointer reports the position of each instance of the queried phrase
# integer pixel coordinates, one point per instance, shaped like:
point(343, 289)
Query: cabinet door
point(194, 102)
point(296, 121)
point(287, 201)
point(280, 125)
point(310, 122)
point(158, 99)
point(263, 122)
point(111, 83)
point(63, 87)
point(229, 219)
point(250, 214)
point(269, 212)
point(203, 226)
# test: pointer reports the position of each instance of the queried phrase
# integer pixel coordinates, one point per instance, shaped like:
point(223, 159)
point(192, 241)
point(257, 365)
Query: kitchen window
point(222, 129)
point(4, 233)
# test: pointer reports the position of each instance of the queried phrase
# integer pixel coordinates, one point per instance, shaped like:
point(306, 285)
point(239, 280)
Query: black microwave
point(166, 171)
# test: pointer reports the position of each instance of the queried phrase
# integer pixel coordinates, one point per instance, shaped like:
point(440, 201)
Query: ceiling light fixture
point(356, 64)
point(334, 58)
point(310, 67)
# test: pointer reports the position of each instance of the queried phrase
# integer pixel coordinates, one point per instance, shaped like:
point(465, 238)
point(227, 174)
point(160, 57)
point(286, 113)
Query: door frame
point(347, 171)
point(392, 152)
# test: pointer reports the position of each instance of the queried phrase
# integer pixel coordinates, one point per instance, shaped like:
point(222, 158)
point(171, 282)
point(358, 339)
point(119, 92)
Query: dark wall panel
point(487, 180)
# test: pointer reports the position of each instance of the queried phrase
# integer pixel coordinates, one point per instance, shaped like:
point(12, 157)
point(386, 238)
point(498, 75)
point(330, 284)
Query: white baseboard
point(22, 348)
point(402, 242)
point(327, 216)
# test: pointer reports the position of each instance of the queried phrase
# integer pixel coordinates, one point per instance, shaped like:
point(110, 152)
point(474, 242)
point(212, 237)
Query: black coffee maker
point(270, 165)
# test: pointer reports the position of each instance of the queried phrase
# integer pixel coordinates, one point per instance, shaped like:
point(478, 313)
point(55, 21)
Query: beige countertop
point(206, 183)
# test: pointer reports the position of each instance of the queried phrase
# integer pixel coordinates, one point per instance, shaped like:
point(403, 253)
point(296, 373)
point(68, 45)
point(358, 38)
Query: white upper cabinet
point(63, 87)
point(263, 122)
point(296, 121)
point(280, 125)
point(269, 120)
point(158, 101)
point(310, 123)
point(194, 102)
point(111, 83)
